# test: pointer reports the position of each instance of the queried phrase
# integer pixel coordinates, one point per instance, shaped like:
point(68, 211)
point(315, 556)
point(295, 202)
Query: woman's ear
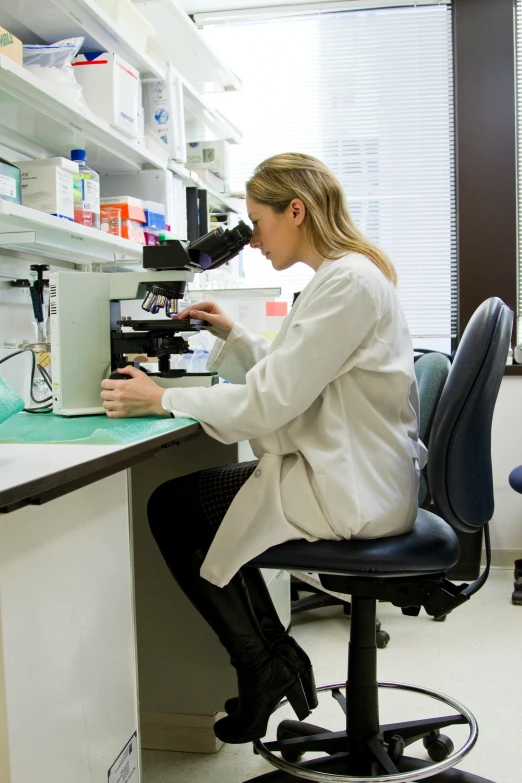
point(298, 211)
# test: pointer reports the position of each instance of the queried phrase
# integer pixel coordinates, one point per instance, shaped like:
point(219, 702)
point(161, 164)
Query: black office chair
point(408, 571)
point(431, 370)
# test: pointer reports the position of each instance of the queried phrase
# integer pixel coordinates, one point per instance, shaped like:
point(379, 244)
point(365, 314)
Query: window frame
point(486, 155)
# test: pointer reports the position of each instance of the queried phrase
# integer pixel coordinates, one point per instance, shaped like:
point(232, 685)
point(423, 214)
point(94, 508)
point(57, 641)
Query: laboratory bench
point(87, 602)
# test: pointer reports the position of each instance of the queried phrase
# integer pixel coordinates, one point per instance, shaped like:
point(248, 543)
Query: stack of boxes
point(139, 221)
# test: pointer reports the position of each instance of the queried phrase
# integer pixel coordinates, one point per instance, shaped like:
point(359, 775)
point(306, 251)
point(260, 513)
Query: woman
point(330, 409)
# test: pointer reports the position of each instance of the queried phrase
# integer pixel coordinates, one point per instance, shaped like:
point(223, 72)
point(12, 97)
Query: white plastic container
point(131, 23)
point(110, 89)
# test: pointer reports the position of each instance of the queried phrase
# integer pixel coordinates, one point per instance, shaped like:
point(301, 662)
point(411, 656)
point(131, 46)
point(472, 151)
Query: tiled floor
point(475, 656)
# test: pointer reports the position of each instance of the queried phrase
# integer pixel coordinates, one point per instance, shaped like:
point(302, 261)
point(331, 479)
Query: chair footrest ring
point(305, 773)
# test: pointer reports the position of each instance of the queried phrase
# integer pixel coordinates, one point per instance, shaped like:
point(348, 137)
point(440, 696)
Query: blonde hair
point(330, 229)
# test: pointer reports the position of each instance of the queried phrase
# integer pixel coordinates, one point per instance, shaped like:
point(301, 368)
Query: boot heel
point(297, 698)
point(308, 682)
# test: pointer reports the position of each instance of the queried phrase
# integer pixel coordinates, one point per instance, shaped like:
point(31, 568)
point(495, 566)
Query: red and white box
point(111, 89)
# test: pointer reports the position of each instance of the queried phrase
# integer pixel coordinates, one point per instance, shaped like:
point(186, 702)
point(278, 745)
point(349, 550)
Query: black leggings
point(186, 512)
point(184, 515)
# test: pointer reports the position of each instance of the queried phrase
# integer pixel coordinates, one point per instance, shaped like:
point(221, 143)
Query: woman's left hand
point(137, 396)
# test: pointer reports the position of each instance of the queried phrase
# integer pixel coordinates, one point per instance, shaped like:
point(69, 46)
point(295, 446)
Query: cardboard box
point(131, 208)
point(11, 47)
point(49, 188)
point(10, 182)
point(211, 155)
point(111, 88)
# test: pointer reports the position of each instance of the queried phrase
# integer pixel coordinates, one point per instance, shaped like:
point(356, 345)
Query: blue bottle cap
point(78, 155)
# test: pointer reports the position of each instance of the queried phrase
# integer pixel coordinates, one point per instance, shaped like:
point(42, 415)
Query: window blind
point(370, 93)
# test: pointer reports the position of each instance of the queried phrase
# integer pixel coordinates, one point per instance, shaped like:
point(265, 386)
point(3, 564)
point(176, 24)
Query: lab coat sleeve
point(233, 358)
point(284, 384)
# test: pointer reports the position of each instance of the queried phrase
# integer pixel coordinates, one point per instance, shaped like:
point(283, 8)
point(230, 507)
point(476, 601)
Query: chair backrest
point(460, 473)
point(431, 371)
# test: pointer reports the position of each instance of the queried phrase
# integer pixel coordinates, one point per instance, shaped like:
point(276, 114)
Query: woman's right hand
point(209, 311)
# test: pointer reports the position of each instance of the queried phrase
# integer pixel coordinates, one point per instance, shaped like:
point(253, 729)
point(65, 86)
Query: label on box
point(7, 186)
point(125, 768)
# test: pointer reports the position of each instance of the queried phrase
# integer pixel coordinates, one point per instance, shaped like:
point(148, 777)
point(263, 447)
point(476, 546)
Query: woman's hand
point(137, 396)
point(209, 311)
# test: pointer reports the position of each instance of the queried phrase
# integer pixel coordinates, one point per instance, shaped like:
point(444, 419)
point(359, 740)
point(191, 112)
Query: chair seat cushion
point(431, 547)
point(515, 479)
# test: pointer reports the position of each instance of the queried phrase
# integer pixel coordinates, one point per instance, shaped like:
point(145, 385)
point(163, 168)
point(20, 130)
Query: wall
point(506, 446)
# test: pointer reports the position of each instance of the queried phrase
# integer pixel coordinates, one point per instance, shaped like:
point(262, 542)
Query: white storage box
point(164, 116)
point(111, 89)
point(211, 155)
point(132, 25)
point(47, 185)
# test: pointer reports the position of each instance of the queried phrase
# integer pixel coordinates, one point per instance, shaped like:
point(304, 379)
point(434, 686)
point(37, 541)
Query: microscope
point(90, 338)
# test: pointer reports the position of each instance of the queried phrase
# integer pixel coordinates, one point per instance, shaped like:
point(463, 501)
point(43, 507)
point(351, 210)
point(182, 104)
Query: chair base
point(331, 768)
point(386, 748)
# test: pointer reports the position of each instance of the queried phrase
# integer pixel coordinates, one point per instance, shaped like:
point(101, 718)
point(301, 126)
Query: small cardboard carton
point(11, 46)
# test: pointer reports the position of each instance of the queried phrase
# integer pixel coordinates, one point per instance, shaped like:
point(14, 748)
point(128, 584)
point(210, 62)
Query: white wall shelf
point(55, 20)
point(85, 17)
point(185, 48)
point(36, 233)
point(47, 125)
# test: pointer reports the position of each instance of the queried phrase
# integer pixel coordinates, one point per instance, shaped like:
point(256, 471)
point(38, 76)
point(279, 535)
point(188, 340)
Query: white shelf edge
point(188, 35)
point(99, 25)
point(232, 293)
point(36, 232)
point(189, 178)
point(34, 92)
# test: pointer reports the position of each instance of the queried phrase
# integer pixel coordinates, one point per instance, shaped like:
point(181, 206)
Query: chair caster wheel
point(382, 638)
point(439, 746)
point(292, 756)
point(396, 747)
point(440, 619)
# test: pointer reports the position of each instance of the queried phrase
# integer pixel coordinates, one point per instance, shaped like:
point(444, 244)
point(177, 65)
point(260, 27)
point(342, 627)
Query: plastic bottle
point(86, 192)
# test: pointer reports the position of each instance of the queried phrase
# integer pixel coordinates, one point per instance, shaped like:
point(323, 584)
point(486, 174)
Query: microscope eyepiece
point(208, 252)
point(220, 245)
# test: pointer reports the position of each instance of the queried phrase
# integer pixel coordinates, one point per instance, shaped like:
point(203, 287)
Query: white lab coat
point(330, 408)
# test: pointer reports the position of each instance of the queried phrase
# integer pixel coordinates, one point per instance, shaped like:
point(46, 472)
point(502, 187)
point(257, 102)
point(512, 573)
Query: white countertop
point(36, 472)
point(22, 463)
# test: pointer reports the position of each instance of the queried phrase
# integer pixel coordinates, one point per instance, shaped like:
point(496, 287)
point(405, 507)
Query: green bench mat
point(85, 430)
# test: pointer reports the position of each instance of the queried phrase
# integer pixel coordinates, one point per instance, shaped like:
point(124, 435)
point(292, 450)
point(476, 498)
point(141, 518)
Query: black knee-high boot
point(275, 633)
point(264, 675)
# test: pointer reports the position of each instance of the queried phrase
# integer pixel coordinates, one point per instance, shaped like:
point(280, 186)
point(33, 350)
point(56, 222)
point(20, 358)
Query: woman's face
point(279, 236)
